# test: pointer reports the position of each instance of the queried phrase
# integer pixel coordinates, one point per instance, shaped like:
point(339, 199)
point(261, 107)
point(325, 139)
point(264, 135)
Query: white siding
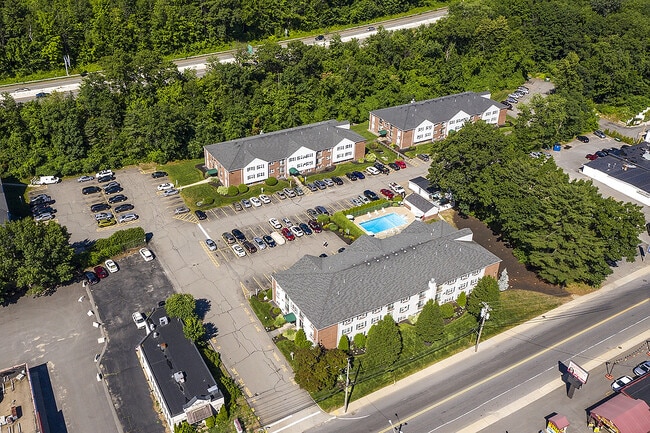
point(457, 122)
point(301, 159)
point(343, 151)
point(256, 171)
point(423, 132)
point(491, 115)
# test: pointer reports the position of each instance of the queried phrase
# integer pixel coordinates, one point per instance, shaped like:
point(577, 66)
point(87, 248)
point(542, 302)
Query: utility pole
point(347, 386)
point(485, 314)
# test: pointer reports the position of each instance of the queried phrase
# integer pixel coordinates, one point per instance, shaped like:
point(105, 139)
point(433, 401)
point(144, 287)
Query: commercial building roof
point(627, 414)
point(374, 272)
point(409, 116)
point(275, 146)
point(633, 167)
point(177, 365)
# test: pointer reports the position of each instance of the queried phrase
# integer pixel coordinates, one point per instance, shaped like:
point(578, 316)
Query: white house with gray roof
point(308, 149)
point(345, 294)
point(432, 120)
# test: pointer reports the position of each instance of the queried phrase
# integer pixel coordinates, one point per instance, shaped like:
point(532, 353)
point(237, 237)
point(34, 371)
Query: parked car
point(337, 180)
point(401, 164)
point(265, 198)
point(158, 174)
point(372, 196)
point(359, 175)
point(212, 246)
point(371, 29)
point(328, 181)
point(507, 104)
point(238, 234)
point(298, 191)
point(356, 202)
point(281, 195)
point(106, 223)
point(40, 199)
point(268, 240)
point(320, 184)
point(104, 179)
point(45, 216)
point(103, 173)
point(85, 179)
point(237, 206)
point(200, 215)
point(278, 238)
point(170, 192)
point(312, 187)
point(103, 216)
point(228, 238)
point(591, 156)
point(111, 266)
point(111, 184)
point(642, 369)
point(287, 234)
point(139, 320)
point(287, 222)
point(394, 166)
point(246, 203)
point(600, 134)
point(181, 210)
point(523, 89)
point(146, 254)
point(381, 167)
point(297, 231)
point(423, 156)
point(100, 272)
point(259, 243)
point(118, 198)
point(289, 192)
point(620, 383)
point(305, 229)
point(312, 213)
point(583, 138)
point(249, 247)
point(387, 193)
point(372, 170)
point(275, 223)
point(113, 190)
point(40, 210)
point(601, 154)
point(90, 190)
point(165, 186)
point(350, 175)
point(319, 38)
point(238, 250)
point(322, 210)
point(363, 199)
point(98, 207)
point(511, 100)
point(315, 226)
point(91, 278)
point(127, 217)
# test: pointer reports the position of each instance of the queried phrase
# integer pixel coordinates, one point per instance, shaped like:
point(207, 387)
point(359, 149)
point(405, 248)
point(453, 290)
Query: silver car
point(170, 192)
point(128, 217)
point(259, 242)
point(181, 210)
point(44, 217)
point(103, 216)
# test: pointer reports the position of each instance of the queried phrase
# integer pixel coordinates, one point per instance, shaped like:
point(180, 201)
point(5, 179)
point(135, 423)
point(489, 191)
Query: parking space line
point(213, 258)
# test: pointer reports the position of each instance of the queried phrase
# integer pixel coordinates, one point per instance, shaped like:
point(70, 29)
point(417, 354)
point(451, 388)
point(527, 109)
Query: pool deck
point(385, 211)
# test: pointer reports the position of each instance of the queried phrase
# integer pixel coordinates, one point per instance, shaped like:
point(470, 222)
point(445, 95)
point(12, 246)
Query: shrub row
point(117, 243)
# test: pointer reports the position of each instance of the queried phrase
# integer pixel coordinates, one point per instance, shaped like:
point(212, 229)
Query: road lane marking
point(513, 366)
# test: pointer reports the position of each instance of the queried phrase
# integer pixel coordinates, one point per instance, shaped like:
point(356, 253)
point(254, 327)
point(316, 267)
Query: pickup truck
point(45, 180)
point(397, 188)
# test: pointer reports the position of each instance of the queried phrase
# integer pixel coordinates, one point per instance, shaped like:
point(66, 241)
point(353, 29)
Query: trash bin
point(557, 147)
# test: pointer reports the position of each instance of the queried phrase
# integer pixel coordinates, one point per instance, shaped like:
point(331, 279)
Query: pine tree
point(384, 344)
point(430, 325)
point(344, 344)
point(486, 290)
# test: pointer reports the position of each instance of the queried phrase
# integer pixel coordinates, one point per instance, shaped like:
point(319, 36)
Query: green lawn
point(183, 172)
point(362, 129)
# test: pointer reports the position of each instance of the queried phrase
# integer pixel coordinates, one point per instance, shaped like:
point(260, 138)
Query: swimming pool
point(383, 223)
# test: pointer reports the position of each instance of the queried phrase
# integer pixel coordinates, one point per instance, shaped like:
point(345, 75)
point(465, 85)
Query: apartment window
point(282, 162)
point(375, 320)
point(391, 307)
point(347, 330)
point(401, 318)
point(474, 281)
point(376, 310)
point(464, 277)
point(404, 301)
point(347, 322)
point(476, 272)
point(272, 171)
point(464, 285)
point(422, 295)
point(421, 304)
point(449, 291)
point(361, 325)
point(404, 309)
point(362, 316)
point(451, 281)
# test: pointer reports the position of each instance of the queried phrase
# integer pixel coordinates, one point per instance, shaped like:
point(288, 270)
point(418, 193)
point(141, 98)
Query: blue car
point(359, 175)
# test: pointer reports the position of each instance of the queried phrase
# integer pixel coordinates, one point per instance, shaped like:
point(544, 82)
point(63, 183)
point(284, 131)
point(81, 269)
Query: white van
point(45, 180)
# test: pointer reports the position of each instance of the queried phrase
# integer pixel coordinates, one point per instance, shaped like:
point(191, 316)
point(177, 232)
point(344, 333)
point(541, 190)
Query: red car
point(401, 164)
point(591, 157)
point(287, 234)
point(387, 193)
point(315, 226)
point(101, 272)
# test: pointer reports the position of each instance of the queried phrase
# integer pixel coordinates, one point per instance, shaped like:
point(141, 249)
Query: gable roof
point(419, 202)
point(274, 146)
point(179, 355)
point(374, 272)
point(627, 414)
point(409, 116)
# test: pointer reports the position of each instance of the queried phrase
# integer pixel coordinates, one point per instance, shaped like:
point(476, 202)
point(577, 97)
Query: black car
point(39, 210)
point(371, 195)
point(312, 213)
point(507, 104)
point(98, 207)
point(241, 237)
point(250, 248)
point(351, 176)
point(107, 178)
point(319, 38)
point(113, 189)
point(381, 167)
point(601, 154)
point(40, 95)
point(158, 174)
point(359, 175)
point(200, 215)
point(322, 210)
point(393, 166)
point(583, 138)
point(424, 157)
point(337, 180)
point(123, 207)
point(305, 228)
point(91, 278)
point(90, 190)
point(269, 241)
point(117, 198)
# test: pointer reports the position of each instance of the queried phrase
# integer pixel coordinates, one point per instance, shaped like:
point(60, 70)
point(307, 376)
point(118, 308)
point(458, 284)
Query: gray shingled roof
point(374, 272)
point(409, 116)
point(420, 202)
point(633, 168)
point(179, 355)
point(278, 145)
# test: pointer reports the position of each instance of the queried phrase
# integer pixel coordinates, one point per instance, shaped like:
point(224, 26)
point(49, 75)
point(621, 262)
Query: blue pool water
point(383, 223)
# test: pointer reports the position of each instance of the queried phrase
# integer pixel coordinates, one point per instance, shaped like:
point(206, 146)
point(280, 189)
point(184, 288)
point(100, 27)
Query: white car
point(275, 223)
point(211, 245)
point(620, 383)
point(238, 250)
point(396, 188)
point(146, 254)
point(111, 266)
point(170, 192)
point(256, 201)
point(164, 186)
point(297, 231)
point(128, 217)
point(139, 320)
point(372, 170)
point(104, 173)
point(265, 199)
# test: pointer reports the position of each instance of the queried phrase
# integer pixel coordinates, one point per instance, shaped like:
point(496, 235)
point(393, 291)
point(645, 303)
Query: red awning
point(627, 414)
point(560, 421)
